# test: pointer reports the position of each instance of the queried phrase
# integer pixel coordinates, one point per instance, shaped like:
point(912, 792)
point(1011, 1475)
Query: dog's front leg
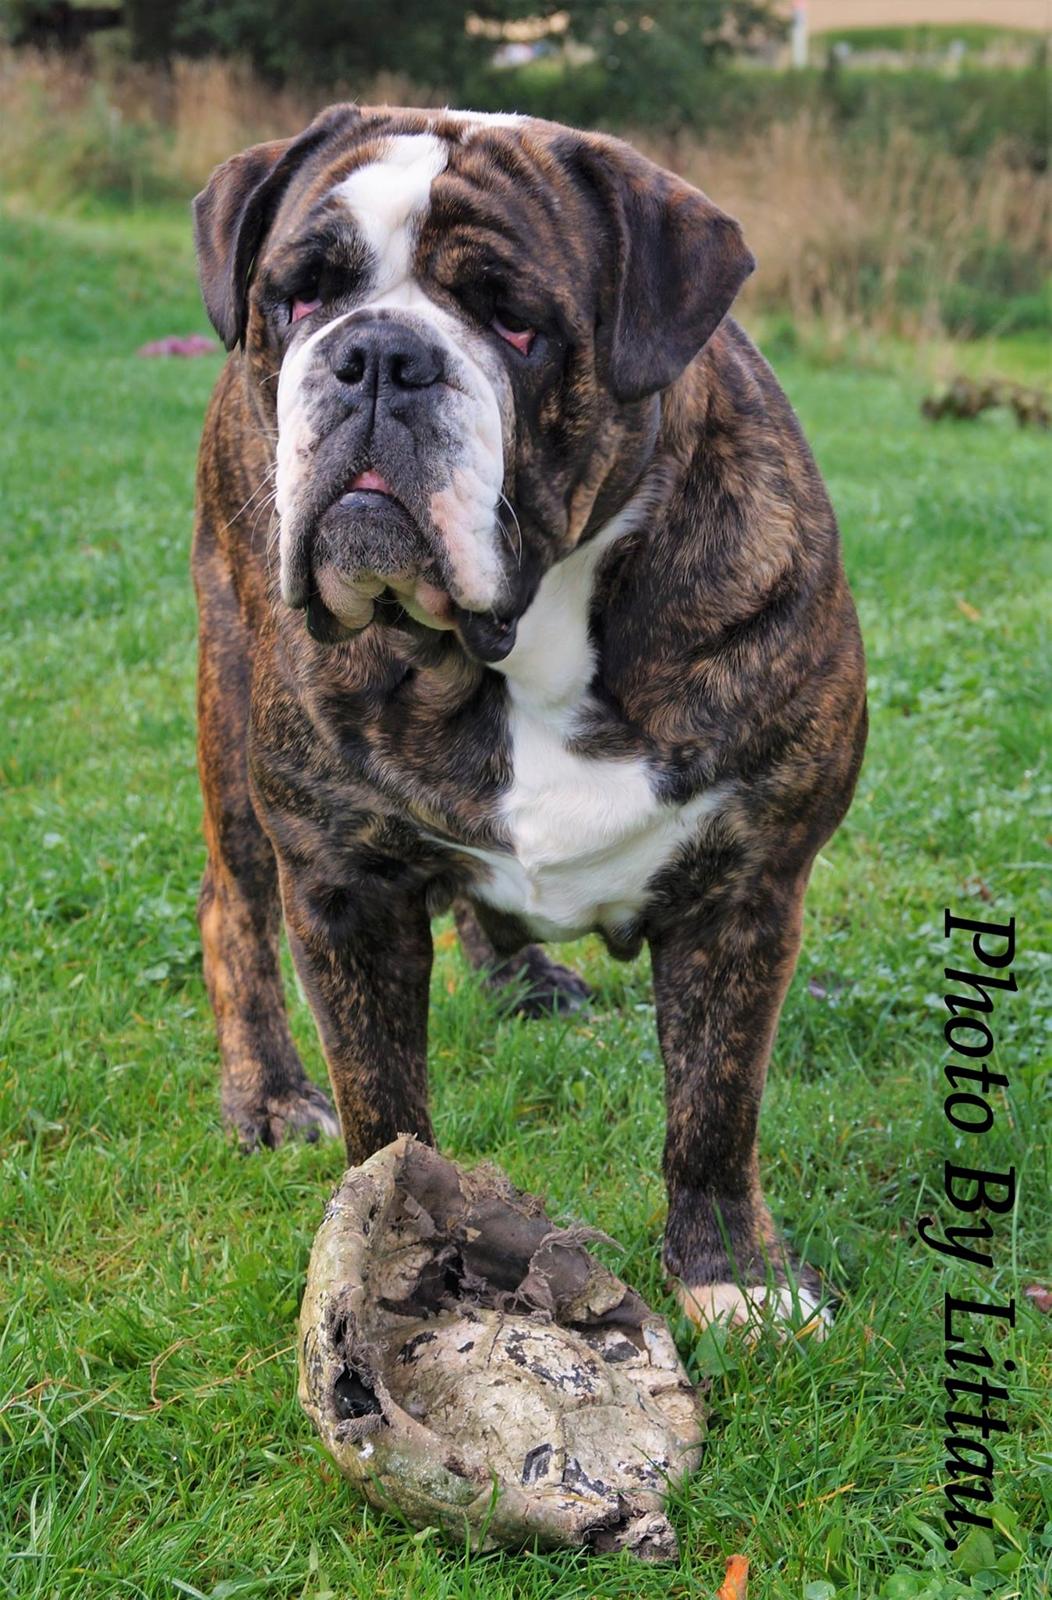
point(721, 970)
point(363, 952)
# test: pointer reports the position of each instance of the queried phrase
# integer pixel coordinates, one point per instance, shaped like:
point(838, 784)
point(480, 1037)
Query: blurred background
point(887, 157)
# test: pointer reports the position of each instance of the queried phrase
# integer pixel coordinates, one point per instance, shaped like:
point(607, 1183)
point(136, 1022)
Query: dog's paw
point(798, 1311)
point(537, 986)
point(304, 1112)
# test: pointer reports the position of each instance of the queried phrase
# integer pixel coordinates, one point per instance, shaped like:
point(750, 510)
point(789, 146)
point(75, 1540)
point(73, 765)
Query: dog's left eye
point(515, 330)
point(302, 308)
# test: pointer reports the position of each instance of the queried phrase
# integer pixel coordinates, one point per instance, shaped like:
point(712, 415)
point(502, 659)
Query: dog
point(549, 625)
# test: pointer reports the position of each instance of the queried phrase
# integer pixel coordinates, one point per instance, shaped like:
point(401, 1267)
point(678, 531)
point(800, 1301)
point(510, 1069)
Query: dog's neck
point(553, 661)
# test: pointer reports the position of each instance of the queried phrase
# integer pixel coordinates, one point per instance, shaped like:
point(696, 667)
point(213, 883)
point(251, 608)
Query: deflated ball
point(470, 1364)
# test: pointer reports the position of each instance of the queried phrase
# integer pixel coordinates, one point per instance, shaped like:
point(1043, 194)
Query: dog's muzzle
point(365, 546)
point(366, 539)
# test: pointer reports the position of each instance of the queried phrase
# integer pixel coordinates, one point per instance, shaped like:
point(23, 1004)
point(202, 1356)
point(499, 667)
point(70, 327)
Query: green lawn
point(150, 1440)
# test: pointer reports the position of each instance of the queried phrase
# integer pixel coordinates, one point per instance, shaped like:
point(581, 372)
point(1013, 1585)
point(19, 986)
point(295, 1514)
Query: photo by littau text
point(977, 1192)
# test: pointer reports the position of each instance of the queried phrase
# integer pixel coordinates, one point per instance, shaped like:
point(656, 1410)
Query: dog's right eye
point(513, 329)
point(302, 306)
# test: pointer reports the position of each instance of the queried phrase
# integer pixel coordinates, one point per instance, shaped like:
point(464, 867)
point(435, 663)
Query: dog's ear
point(232, 214)
point(679, 262)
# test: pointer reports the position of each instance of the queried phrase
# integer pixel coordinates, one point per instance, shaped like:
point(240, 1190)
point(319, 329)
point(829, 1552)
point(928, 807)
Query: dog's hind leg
point(536, 985)
point(266, 1094)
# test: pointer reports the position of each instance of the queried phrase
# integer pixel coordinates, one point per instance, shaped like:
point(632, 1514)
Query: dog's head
point(457, 325)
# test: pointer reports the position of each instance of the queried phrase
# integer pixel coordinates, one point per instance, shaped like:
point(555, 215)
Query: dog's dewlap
point(473, 1365)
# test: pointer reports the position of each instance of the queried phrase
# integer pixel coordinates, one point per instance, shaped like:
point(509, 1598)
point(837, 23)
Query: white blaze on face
point(473, 122)
point(387, 200)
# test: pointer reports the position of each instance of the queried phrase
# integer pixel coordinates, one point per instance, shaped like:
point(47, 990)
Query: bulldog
point(519, 594)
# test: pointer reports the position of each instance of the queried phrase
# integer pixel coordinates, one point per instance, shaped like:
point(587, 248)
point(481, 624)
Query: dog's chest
point(586, 833)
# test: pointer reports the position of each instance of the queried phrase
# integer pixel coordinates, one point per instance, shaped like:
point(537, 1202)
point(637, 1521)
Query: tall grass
point(890, 237)
point(886, 236)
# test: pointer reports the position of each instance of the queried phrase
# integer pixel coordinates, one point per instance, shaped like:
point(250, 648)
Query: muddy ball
point(472, 1365)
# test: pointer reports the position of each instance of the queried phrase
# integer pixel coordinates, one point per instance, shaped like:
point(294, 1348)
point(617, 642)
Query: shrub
point(967, 116)
point(892, 237)
point(66, 137)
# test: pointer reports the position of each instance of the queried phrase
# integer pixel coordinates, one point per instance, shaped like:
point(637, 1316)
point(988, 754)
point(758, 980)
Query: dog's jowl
point(519, 592)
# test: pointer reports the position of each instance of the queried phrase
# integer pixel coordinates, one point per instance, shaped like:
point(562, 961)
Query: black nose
point(380, 355)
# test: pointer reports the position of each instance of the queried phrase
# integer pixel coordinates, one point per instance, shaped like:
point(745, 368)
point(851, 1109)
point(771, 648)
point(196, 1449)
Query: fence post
point(799, 35)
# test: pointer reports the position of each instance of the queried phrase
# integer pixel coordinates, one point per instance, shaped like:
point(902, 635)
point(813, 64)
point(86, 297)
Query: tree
point(318, 41)
point(651, 57)
point(56, 24)
point(645, 58)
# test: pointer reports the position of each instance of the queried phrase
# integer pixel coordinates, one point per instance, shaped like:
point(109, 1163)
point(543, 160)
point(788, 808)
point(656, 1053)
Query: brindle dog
point(550, 625)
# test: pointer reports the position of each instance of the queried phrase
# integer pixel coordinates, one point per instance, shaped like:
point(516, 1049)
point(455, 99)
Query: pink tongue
point(371, 480)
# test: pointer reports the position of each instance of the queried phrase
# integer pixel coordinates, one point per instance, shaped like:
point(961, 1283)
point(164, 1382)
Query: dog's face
point(456, 327)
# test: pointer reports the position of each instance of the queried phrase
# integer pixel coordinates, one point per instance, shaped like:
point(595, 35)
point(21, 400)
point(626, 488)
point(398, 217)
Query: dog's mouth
point(370, 562)
point(485, 635)
point(370, 482)
point(373, 519)
point(362, 493)
point(366, 548)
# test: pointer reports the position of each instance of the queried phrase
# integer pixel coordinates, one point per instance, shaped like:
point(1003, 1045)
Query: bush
point(887, 237)
point(1001, 287)
point(65, 138)
point(967, 116)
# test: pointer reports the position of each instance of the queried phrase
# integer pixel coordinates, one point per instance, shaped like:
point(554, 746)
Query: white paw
point(793, 1311)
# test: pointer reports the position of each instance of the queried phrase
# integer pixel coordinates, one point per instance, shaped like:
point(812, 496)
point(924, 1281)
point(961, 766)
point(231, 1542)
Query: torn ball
point(470, 1364)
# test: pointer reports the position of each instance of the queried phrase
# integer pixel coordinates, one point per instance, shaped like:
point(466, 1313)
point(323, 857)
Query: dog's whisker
point(267, 478)
point(264, 505)
point(503, 500)
point(273, 535)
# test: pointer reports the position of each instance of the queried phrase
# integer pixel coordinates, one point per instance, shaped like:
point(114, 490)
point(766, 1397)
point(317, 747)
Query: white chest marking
point(588, 834)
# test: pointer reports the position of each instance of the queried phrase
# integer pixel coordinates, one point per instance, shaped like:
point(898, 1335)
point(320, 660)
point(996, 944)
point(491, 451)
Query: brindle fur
point(726, 646)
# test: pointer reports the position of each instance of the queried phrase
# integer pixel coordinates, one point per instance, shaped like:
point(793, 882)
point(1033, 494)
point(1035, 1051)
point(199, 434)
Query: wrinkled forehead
point(399, 190)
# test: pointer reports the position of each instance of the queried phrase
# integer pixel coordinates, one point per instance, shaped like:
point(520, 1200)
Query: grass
point(150, 1440)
